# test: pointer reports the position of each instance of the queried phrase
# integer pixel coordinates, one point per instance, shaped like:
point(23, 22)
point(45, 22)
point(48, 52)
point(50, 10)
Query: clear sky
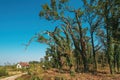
point(19, 21)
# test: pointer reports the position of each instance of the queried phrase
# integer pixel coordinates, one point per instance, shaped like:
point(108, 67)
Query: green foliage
point(3, 72)
point(71, 37)
point(53, 4)
point(35, 78)
point(45, 7)
point(41, 13)
point(47, 64)
point(72, 73)
point(42, 39)
point(80, 13)
point(63, 1)
point(35, 69)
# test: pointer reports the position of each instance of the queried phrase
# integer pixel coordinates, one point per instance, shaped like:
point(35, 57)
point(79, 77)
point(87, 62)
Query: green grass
point(6, 71)
point(3, 72)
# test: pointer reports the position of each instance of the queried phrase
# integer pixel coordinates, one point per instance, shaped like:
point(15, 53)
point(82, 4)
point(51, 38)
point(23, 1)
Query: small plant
point(3, 72)
point(35, 78)
point(72, 73)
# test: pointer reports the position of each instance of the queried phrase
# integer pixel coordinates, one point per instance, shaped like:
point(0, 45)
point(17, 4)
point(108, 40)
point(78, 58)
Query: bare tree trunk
point(94, 55)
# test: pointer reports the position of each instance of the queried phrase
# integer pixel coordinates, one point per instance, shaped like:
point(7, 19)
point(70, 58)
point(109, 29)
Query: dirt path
point(13, 77)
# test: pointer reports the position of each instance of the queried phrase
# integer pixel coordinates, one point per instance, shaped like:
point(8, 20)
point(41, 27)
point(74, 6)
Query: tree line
point(84, 36)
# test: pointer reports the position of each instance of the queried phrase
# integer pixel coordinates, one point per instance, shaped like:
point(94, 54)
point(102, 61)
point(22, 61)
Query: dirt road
point(13, 77)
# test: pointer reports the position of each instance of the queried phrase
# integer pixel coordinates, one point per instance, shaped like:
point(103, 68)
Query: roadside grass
point(6, 71)
point(36, 72)
point(49, 75)
point(3, 72)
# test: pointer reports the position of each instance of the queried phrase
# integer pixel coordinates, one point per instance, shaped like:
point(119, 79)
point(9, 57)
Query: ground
point(36, 72)
point(13, 77)
point(53, 74)
point(9, 72)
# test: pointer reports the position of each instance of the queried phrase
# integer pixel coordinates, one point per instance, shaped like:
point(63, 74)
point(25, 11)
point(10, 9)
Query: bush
point(72, 73)
point(35, 78)
point(3, 72)
point(35, 69)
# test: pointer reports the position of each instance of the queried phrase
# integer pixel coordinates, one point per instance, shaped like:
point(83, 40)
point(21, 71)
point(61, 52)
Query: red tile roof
point(23, 64)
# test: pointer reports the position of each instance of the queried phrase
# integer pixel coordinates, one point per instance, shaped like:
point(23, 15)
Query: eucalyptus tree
point(94, 22)
point(116, 41)
point(59, 46)
point(56, 11)
point(115, 22)
point(70, 39)
point(109, 9)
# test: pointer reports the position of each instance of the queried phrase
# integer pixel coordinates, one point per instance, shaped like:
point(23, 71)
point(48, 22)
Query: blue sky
point(19, 21)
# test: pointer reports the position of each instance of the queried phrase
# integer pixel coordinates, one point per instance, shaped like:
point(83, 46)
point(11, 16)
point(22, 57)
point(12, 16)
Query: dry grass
point(83, 76)
point(11, 71)
point(53, 74)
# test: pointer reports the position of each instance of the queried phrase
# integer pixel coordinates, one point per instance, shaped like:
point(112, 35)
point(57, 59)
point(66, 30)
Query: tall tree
point(94, 23)
point(56, 11)
point(76, 30)
point(108, 9)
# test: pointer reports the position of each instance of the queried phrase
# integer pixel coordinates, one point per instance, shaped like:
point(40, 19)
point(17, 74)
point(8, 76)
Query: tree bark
point(94, 55)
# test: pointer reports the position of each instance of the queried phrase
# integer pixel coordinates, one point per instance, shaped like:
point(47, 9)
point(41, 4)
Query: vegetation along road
point(13, 77)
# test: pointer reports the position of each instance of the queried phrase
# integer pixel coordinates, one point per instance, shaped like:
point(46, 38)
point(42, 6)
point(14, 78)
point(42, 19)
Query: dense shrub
point(35, 69)
point(3, 72)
